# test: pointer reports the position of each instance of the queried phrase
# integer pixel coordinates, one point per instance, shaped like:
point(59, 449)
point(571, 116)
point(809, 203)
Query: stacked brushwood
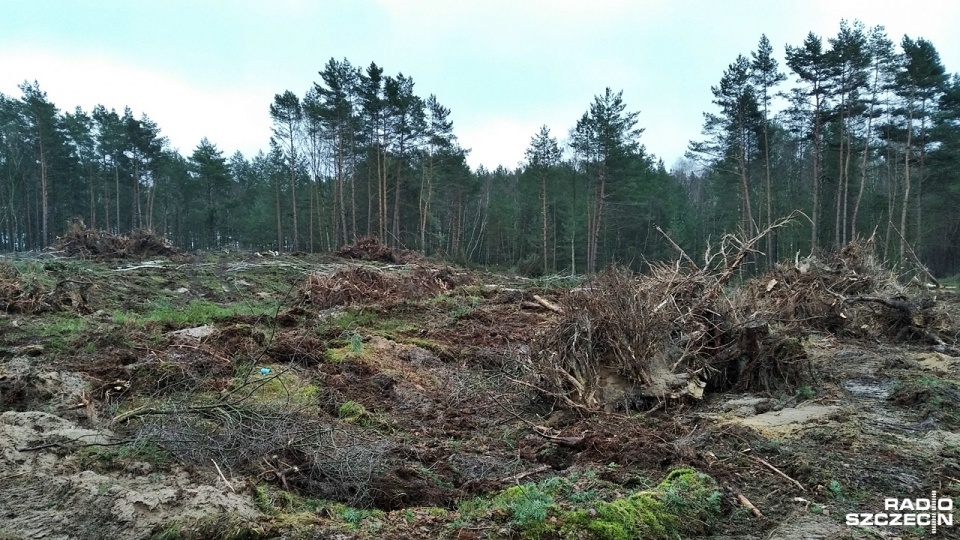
point(368, 285)
point(629, 342)
point(29, 294)
point(370, 248)
point(85, 243)
point(845, 292)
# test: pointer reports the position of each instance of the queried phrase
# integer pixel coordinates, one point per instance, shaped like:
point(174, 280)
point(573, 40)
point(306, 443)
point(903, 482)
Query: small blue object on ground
point(264, 371)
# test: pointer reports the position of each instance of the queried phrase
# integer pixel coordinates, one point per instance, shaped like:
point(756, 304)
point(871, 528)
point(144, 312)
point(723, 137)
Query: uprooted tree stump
point(632, 342)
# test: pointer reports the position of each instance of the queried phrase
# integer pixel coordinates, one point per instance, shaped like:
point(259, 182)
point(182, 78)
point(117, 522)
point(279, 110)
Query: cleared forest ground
point(261, 396)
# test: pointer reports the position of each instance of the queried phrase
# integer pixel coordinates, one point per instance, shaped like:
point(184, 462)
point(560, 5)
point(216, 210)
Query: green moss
point(528, 507)
point(286, 387)
point(685, 503)
point(353, 412)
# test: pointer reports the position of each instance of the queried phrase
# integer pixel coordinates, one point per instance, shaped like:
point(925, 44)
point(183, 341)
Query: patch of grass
point(61, 333)
point(105, 458)
point(805, 392)
point(164, 314)
point(527, 505)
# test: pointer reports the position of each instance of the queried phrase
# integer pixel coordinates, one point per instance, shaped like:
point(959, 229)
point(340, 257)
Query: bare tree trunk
point(279, 218)
point(44, 194)
point(543, 200)
point(906, 187)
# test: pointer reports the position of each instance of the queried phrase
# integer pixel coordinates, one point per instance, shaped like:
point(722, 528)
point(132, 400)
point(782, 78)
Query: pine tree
point(810, 63)
point(604, 138)
point(542, 155)
point(765, 75)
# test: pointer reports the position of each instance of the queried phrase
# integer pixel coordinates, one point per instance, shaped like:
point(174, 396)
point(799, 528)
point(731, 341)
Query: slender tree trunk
point(340, 189)
point(382, 191)
point(137, 220)
point(906, 187)
point(815, 214)
point(866, 154)
point(116, 172)
point(44, 196)
point(920, 172)
point(279, 216)
point(543, 200)
point(771, 240)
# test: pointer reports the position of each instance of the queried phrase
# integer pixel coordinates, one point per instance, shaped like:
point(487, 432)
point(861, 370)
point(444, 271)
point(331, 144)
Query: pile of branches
point(844, 292)
point(365, 285)
point(627, 341)
point(370, 248)
point(85, 243)
point(291, 448)
point(16, 296)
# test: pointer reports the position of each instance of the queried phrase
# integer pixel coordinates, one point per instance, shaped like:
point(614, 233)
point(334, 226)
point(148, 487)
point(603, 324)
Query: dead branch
point(779, 472)
point(749, 505)
point(521, 476)
point(548, 304)
point(224, 478)
point(678, 248)
point(916, 259)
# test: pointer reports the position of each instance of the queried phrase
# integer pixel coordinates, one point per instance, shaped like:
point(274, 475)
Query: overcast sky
point(203, 68)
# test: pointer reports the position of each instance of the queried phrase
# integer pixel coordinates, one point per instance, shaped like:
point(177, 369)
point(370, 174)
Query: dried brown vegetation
point(85, 243)
point(371, 285)
point(370, 248)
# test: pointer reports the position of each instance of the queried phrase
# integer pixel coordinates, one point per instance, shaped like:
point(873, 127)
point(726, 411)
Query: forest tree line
point(858, 133)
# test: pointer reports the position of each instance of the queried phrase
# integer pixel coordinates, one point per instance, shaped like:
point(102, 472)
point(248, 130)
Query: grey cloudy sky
point(504, 67)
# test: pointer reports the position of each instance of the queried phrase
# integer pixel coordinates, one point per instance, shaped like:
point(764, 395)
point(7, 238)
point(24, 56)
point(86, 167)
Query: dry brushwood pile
point(370, 248)
point(359, 284)
point(629, 342)
point(844, 292)
point(85, 243)
point(22, 294)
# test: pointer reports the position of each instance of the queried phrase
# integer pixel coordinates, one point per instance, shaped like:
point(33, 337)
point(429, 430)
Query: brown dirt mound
point(370, 248)
point(85, 243)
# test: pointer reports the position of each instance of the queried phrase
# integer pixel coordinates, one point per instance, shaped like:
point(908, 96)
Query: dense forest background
point(858, 133)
